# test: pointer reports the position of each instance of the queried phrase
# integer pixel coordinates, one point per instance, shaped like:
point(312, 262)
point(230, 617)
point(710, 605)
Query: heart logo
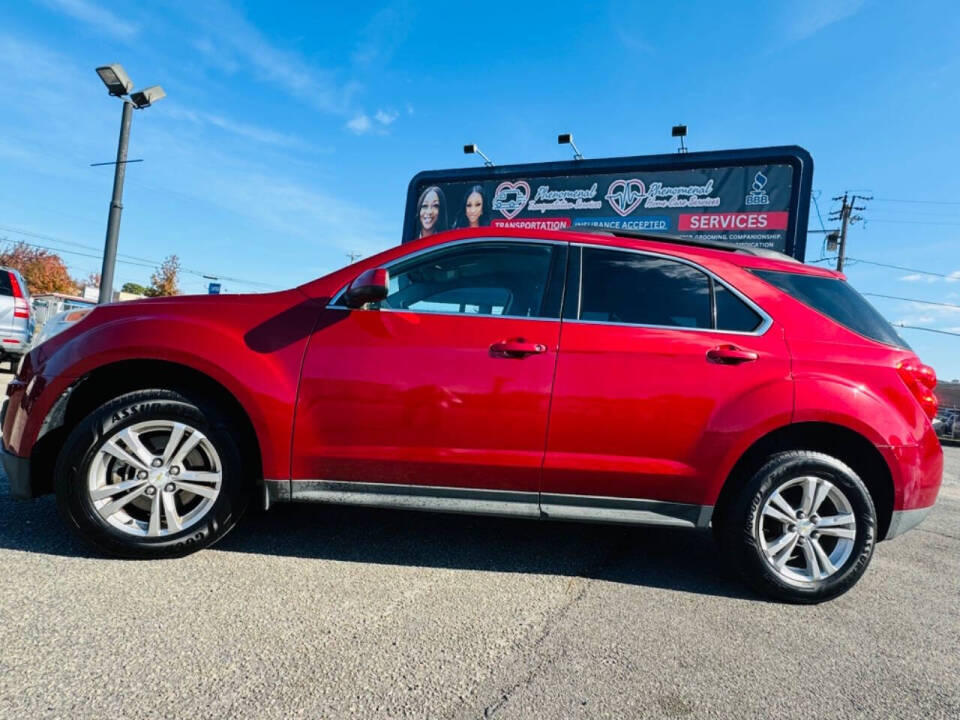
point(511, 197)
point(625, 196)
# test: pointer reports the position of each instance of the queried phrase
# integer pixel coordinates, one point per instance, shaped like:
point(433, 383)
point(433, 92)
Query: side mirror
point(370, 286)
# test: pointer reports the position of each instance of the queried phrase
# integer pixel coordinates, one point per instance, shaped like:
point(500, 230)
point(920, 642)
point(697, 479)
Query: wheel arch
point(838, 441)
point(108, 381)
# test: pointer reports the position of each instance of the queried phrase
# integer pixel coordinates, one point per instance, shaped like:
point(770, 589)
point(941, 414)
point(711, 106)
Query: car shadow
point(667, 558)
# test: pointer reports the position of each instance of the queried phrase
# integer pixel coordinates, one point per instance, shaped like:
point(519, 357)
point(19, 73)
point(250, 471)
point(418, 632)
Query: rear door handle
point(731, 355)
point(516, 348)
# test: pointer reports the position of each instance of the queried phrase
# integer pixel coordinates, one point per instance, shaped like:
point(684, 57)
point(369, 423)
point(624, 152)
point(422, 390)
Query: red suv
point(561, 375)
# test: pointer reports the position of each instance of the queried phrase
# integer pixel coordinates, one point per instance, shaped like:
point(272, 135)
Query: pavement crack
point(576, 589)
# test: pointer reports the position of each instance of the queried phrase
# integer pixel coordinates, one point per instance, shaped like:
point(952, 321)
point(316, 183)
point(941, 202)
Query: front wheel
point(803, 528)
point(152, 473)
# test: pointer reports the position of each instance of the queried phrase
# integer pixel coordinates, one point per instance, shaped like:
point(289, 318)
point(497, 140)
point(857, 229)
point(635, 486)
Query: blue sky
point(290, 130)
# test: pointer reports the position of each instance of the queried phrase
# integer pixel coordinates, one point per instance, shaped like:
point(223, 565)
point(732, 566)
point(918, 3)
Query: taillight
point(921, 380)
point(20, 307)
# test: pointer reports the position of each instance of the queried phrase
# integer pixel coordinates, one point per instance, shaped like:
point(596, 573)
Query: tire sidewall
point(769, 478)
point(88, 437)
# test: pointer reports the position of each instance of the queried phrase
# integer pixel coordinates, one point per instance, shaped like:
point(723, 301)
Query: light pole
point(119, 84)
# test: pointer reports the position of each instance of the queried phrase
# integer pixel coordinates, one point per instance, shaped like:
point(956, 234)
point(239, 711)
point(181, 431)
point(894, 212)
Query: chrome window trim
point(334, 304)
point(765, 320)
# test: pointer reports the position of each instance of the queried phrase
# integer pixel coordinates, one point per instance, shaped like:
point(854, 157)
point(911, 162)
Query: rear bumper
point(903, 520)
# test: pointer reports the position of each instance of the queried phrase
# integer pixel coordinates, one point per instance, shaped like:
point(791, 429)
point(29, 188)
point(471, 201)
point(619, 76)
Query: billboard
point(758, 197)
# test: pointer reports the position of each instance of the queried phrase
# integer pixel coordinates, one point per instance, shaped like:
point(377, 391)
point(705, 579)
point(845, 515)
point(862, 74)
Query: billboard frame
point(793, 155)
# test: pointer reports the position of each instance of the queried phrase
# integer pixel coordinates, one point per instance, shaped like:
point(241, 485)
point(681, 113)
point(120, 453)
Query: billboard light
point(473, 149)
point(567, 139)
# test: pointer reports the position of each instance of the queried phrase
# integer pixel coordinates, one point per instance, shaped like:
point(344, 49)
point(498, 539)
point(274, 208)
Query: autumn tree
point(44, 271)
point(164, 281)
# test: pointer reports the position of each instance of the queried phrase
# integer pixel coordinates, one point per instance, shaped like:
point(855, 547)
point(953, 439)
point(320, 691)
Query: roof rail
point(693, 242)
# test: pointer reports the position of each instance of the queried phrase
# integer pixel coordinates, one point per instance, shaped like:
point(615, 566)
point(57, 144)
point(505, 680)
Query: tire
point(192, 496)
point(756, 533)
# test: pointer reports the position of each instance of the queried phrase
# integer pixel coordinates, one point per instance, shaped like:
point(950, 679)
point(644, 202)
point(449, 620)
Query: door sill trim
point(504, 503)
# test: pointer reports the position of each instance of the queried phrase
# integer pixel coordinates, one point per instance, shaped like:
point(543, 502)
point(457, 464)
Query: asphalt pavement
point(332, 612)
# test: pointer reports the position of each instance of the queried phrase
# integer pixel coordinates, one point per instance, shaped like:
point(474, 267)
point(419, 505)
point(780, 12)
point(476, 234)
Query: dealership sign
point(758, 197)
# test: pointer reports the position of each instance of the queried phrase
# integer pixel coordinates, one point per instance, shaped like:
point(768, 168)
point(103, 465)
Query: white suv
point(16, 317)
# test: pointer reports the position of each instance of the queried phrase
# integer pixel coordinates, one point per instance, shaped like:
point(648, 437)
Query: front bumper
point(18, 473)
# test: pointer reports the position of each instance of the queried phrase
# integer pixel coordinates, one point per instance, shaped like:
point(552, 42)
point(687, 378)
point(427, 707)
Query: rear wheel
point(152, 473)
point(802, 529)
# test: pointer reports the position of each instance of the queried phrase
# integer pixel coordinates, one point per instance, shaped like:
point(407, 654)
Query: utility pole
point(354, 256)
point(845, 216)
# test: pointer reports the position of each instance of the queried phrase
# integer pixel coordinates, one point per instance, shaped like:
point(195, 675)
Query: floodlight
point(472, 149)
point(116, 79)
point(567, 139)
point(146, 97)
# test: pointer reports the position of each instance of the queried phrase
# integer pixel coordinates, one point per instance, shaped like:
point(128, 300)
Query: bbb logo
point(757, 195)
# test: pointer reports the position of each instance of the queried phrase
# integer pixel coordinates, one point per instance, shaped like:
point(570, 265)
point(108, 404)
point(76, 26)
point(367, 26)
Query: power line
point(912, 222)
point(128, 259)
point(924, 302)
point(816, 205)
point(918, 202)
point(939, 332)
point(901, 267)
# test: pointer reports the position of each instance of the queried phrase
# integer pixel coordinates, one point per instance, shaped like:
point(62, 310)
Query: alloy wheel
point(154, 478)
point(806, 529)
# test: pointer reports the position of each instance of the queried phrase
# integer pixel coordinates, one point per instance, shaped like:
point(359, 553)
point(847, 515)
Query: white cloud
point(916, 277)
point(359, 124)
point(808, 18)
point(241, 129)
point(97, 17)
point(386, 117)
point(385, 32)
point(954, 276)
point(230, 40)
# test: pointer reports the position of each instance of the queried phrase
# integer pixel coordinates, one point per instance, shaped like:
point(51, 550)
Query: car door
point(657, 358)
point(439, 393)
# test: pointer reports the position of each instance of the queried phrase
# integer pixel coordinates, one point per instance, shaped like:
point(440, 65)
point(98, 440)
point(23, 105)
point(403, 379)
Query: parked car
point(590, 376)
point(58, 323)
point(16, 317)
point(947, 424)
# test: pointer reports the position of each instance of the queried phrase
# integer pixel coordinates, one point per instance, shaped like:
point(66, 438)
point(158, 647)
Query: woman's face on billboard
point(429, 211)
point(474, 208)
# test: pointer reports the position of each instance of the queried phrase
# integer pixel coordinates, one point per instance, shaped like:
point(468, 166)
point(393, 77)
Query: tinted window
point(732, 312)
point(478, 279)
point(5, 287)
point(626, 287)
point(837, 300)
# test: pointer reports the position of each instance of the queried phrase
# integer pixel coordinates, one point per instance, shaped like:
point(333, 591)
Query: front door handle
point(730, 355)
point(516, 348)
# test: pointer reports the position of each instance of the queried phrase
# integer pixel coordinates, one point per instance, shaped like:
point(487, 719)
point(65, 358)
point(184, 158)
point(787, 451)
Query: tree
point(44, 271)
point(134, 288)
point(164, 281)
point(93, 280)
